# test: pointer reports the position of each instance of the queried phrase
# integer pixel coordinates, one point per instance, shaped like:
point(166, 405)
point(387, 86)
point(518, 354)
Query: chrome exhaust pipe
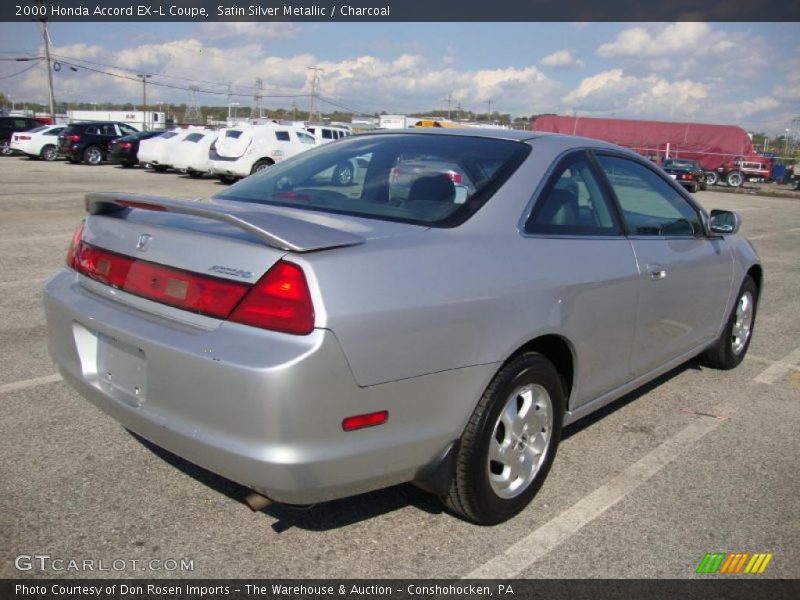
point(256, 501)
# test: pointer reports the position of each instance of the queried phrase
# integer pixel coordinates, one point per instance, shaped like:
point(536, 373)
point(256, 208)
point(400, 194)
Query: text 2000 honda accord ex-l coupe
point(313, 340)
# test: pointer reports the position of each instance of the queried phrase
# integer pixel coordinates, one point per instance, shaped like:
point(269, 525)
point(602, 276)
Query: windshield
point(448, 180)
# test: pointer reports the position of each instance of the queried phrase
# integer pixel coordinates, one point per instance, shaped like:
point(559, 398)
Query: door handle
point(657, 272)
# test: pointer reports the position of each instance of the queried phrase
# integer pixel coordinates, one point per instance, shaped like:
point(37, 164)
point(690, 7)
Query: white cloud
point(624, 94)
point(562, 59)
point(692, 49)
point(249, 29)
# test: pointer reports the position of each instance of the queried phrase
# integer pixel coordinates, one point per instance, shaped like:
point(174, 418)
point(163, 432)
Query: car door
point(577, 248)
point(684, 276)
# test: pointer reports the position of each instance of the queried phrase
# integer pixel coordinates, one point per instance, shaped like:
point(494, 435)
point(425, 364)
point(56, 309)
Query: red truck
point(725, 152)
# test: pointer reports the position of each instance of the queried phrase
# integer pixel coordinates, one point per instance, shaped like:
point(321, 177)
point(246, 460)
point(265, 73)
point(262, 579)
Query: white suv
point(327, 133)
point(245, 149)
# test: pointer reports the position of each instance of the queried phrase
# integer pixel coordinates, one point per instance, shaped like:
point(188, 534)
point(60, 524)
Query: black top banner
point(400, 10)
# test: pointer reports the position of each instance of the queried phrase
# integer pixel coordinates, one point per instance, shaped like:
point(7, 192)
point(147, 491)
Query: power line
point(23, 70)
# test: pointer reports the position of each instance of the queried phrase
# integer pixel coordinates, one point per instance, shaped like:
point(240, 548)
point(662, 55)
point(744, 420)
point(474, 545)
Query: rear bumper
point(231, 168)
point(261, 408)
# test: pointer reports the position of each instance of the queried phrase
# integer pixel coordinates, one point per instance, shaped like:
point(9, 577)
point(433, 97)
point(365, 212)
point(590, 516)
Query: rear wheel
point(734, 179)
point(711, 177)
point(48, 153)
point(509, 443)
point(5, 148)
point(92, 155)
point(731, 347)
point(343, 174)
point(260, 165)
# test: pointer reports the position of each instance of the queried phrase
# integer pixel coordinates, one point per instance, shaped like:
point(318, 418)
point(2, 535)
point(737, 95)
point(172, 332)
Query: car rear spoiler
point(278, 231)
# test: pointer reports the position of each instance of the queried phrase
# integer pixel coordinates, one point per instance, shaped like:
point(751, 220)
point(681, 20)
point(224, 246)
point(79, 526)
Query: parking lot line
point(773, 234)
point(27, 383)
point(20, 282)
point(779, 369)
point(518, 557)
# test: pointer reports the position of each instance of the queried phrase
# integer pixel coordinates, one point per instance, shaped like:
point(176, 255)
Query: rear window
point(233, 133)
point(283, 136)
point(193, 137)
point(168, 134)
point(432, 180)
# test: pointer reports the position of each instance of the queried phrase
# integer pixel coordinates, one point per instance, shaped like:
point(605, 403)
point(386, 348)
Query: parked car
point(153, 151)
point(408, 169)
point(89, 142)
point(124, 150)
point(312, 344)
point(40, 142)
point(246, 149)
point(687, 172)
point(9, 125)
point(191, 153)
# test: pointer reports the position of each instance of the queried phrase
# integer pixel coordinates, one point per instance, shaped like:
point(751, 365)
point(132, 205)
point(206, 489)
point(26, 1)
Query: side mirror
point(724, 222)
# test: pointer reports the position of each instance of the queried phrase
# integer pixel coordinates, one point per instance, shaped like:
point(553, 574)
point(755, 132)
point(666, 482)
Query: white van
point(328, 133)
point(245, 149)
point(190, 154)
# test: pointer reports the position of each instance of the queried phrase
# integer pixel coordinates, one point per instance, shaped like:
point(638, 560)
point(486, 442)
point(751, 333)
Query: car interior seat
point(433, 188)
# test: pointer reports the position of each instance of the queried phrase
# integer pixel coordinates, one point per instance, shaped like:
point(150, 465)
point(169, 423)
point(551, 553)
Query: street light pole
point(144, 77)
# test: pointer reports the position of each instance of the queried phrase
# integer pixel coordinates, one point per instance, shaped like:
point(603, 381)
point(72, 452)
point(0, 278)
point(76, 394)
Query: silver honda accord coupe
point(313, 341)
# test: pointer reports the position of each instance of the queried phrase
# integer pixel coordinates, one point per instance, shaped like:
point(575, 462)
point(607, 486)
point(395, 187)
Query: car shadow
point(349, 511)
point(619, 403)
point(317, 517)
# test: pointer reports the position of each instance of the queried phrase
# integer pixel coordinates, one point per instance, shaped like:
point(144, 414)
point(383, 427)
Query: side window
point(283, 136)
point(649, 204)
point(572, 203)
point(108, 130)
point(92, 130)
point(126, 129)
point(327, 134)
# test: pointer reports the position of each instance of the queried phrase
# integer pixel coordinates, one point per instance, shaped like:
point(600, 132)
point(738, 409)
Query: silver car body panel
point(408, 319)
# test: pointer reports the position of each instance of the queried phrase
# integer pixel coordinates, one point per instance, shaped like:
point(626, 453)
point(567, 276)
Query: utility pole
point(449, 103)
point(489, 111)
point(144, 77)
point(46, 38)
point(313, 101)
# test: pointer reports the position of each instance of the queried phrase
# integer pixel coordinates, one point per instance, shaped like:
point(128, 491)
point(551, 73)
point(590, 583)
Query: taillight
point(396, 173)
point(125, 145)
point(74, 245)
point(23, 137)
point(183, 289)
point(454, 177)
point(73, 138)
point(280, 301)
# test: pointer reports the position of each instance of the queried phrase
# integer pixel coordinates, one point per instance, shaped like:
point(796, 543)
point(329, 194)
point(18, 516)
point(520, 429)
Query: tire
point(126, 165)
point(194, 174)
point(693, 189)
point(260, 165)
point(731, 347)
point(343, 174)
point(734, 179)
point(226, 179)
point(525, 395)
point(93, 155)
point(712, 178)
point(49, 153)
point(5, 148)
point(160, 168)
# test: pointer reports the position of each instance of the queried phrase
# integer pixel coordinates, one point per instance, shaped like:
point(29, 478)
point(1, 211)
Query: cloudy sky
point(741, 73)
